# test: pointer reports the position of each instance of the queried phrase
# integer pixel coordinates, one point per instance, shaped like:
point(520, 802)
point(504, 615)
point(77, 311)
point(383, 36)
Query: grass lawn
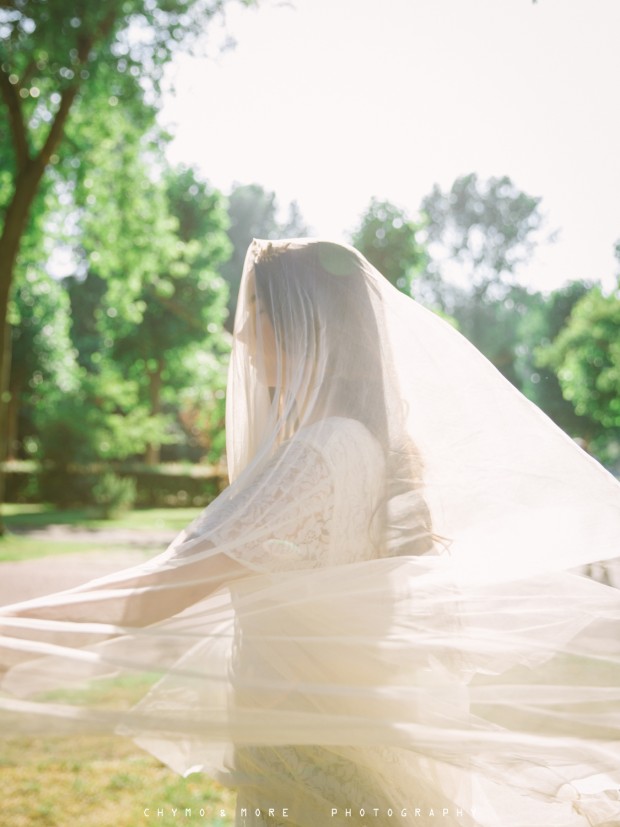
point(39, 517)
point(42, 516)
point(101, 782)
point(13, 548)
point(97, 781)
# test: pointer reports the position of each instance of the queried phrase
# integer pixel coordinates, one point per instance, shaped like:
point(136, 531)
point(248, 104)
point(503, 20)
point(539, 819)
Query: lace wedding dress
point(325, 497)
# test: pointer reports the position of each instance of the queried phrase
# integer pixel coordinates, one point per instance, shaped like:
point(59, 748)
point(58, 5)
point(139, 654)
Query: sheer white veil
point(451, 632)
point(322, 305)
point(493, 468)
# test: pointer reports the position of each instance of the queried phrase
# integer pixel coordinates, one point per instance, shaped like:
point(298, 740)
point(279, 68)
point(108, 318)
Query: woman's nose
point(244, 331)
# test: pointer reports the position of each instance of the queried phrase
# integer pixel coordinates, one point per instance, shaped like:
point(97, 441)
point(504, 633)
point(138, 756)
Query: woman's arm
point(168, 592)
point(137, 600)
point(273, 523)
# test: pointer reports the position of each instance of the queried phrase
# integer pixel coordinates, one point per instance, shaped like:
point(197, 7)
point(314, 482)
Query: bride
point(377, 621)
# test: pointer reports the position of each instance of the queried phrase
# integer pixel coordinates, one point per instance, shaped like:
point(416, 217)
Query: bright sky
point(330, 102)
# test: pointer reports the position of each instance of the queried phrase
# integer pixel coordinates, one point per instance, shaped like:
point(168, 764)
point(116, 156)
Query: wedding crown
point(265, 251)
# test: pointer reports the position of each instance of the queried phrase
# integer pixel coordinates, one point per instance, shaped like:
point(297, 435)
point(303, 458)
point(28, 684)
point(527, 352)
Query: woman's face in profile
point(259, 335)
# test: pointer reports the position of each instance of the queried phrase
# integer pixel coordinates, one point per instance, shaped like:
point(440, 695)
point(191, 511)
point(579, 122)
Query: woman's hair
point(331, 305)
point(322, 300)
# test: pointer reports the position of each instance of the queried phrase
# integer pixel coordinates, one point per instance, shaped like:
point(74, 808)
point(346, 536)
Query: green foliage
point(101, 419)
point(78, 66)
point(155, 320)
point(114, 495)
point(545, 319)
point(252, 212)
point(43, 360)
point(479, 233)
point(388, 239)
point(494, 326)
point(124, 230)
point(49, 44)
point(86, 296)
point(202, 403)
point(79, 149)
point(586, 356)
point(169, 485)
point(158, 357)
point(178, 342)
point(186, 300)
point(42, 353)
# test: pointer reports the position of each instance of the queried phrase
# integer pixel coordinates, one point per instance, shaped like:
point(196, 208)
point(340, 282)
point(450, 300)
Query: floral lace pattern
point(310, 507)
point(357, 466)
point(283, 519)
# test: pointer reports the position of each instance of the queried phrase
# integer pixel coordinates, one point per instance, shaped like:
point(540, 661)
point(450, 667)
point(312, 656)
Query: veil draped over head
point(381, 611)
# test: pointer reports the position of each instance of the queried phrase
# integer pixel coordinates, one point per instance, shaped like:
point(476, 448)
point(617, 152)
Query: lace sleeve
point(279, 521)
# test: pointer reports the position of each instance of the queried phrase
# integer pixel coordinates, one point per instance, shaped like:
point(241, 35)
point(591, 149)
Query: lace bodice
point(311, 506)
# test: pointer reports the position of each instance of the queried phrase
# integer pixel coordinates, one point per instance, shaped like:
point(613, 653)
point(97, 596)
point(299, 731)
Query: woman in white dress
point(377, 620)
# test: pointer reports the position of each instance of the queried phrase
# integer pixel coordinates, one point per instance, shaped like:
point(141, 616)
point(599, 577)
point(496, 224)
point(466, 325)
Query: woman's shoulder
point(338, 436)
point(334, 426)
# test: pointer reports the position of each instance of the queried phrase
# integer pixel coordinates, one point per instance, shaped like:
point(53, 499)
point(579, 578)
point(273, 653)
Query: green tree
point(86, 297)
point(44, 360)
point(540, 326)
point(253, 213)
point(478, 233)
point(183, 311)
point(586, 357)
point(494, 325)
point(101, 419)
point(62, 65)
point(387, 237)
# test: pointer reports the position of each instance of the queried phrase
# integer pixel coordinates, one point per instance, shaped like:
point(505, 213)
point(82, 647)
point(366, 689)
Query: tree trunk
point(12, 423)
point(16, 218)
point(153, 449)
point(5, 370)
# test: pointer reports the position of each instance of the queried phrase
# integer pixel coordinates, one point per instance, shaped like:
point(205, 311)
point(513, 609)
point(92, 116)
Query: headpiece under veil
point(379, 611)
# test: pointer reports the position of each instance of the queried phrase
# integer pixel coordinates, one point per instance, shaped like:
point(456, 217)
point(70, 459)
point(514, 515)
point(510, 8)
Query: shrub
point(114, 495)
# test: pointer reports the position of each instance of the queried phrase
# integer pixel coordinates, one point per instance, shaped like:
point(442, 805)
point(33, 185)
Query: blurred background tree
point(69, 73)
point(557, 348)
point(461, 258)
point(124, 359)
point(545, 319)
point(183, 311)
point(478, 234)
point(389, 240)
point(253, 213)
point(139, 355)
point(586, 358)
point(44, 364)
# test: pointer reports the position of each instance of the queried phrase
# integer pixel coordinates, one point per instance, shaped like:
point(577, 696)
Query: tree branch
point(55, 134)
point(27, 74)
point(179, 311)
point(85, 44)
point(16, 120)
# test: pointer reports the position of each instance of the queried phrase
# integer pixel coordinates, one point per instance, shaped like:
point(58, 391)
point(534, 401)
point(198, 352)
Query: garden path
point(113, 549)
point(30, 578)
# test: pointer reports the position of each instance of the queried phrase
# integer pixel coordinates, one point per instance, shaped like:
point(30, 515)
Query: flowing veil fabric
point(380, 613)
